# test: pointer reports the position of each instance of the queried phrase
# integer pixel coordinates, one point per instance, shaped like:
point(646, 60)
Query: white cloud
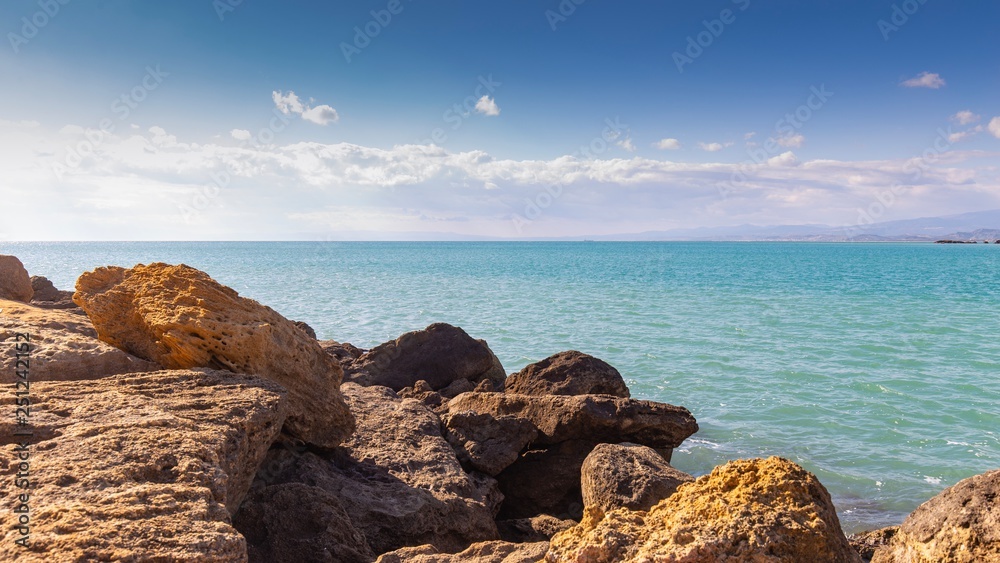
point(626, 144)
point(668, 144)
point(290, 103)
point(487, 106)
point(713, 147)
point(749, 135)
point(240, 134)
point(792, 141)
point(924, 80)
point(783, 159)
point(956, 137)
point(965, 117)
point(994, 127)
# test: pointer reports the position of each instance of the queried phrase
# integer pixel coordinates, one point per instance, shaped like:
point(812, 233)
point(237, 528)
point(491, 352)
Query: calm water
point(874, 366)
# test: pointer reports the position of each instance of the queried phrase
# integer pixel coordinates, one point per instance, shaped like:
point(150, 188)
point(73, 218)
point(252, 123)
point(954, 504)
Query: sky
point(295, 120)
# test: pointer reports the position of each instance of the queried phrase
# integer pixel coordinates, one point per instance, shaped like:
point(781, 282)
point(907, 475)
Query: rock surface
point(142, 466)
point(15, 284)
point(867, 543)
point(292, 522)
point(180, 318)
point(486, 443)
point(46, 294)
point(397, 478)
point(536, 529)
point(597, 418)
point(545, 481)
point(438, 354)
point(568, 373)
point(64, 346)
point(747, 510)
point(627, 476)
point(485, 552)
point(961, 525)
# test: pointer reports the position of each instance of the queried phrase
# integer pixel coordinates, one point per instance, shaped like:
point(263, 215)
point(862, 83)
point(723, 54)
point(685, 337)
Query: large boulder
point(568, 373)
point(438, 354)
point(486, 443)
point(293, 522)
point(141, 467)
point(397, 478)
point(761, 510)
point(46, 295)
point(597, 418)
point(64, 346)
point(627, 476)
point(960, 525)
point(180, 318)
point(485, 552)
point(15, 284)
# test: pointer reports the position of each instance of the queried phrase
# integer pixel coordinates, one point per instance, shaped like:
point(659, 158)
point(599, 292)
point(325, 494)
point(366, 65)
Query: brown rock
point(344, 353)
point(292, 522)
point(64, 346)
point(486, 552)
point(310, 332)
point(568, 373)
point(15, 284)
point(179, 317)
point(627, 476)
point(535, 529)
point(486, 443)
point(142, 467)
point(44, 291)
point(439, 355)
point(397, 478)
point(747, 510)
point(421, 391)
point(960, 525)
point(597, 418)
point(545, 480)
point(867, 543)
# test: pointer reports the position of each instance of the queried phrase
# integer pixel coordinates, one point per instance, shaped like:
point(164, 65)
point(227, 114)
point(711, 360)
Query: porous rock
point(568, 373)
point(15, 284)
point(179, 317)
point(485, 552)
point(487, 443)
point(627, 476)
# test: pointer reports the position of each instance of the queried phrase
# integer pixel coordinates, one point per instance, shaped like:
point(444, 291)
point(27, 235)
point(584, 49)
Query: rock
point(344, 353)
point(15, 284)
point(627, 476)
point(459, 386)
point(293, 522)
point(486, 552)
point(397, 478)
point(180, 318)
point(536, 529)
point(421, 391)
point(44, 291)
point(486, 443)
point(867, 543)
point(961, 525)
point(306, 329)
point(142, 467)
point(545, 481)
point(597, 418)
point(568, 373)
point(64, 346)
point(439, 355)
point(747, 510)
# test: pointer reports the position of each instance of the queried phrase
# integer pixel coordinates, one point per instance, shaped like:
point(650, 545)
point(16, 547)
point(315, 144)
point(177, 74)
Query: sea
point(875, 366)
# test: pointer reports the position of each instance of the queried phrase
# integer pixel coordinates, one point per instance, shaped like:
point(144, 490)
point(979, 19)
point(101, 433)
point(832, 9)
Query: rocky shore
point(172, 419)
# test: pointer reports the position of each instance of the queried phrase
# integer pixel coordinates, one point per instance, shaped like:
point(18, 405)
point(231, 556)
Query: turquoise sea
point(876, 366)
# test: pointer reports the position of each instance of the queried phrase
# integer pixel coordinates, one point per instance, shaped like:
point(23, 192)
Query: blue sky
point(254, 124)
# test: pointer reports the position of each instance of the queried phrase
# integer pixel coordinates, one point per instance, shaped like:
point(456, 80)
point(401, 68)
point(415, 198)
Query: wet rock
point(439, 354)
point(179, 317)
point(142, 466)
point(568, 373)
